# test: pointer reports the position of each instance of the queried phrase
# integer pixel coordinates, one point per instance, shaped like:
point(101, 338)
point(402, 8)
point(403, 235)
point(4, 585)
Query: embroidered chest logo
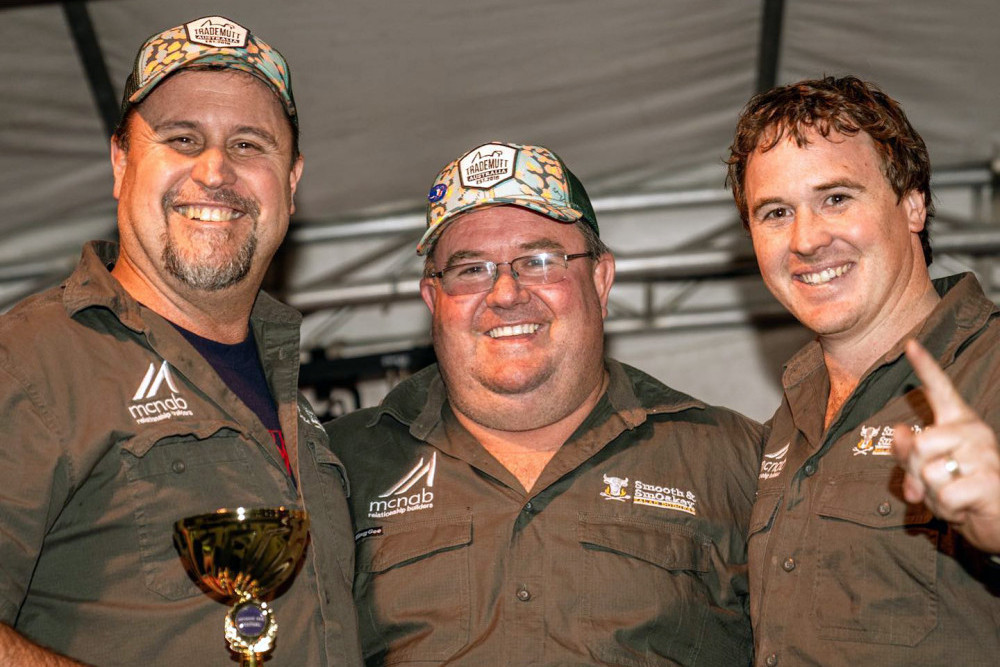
point(650, 495)
point(403, 497)
point(664, 496)
point(307, 415)
point(877, 440)
point(616, 489)
point(154, 402)
point(773, 463)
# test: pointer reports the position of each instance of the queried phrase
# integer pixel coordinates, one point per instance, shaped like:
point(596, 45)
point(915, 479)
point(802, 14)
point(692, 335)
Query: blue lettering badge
point(437, 193)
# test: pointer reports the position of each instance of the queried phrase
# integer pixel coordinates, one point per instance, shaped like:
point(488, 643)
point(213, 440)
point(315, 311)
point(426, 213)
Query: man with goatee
point(158, 382)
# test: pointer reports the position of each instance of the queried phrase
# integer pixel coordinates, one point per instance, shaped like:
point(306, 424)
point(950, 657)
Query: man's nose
point(213, 168)
point(506, 290)
point(809, 233)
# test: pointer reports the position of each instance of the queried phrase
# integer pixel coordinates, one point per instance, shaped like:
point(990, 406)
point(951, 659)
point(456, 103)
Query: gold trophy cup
point(241, 556)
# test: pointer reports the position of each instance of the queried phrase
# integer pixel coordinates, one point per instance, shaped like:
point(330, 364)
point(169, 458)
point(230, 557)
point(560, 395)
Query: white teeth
point(516, 330)
point(824, 276)
point(209, 213)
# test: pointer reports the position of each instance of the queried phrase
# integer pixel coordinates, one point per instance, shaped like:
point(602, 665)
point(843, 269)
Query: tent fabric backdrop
point(638, 96)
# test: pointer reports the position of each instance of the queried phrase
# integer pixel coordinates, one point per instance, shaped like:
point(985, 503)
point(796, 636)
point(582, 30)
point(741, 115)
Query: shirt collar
point(631, 394)
point(962, 311)
point(92, 285)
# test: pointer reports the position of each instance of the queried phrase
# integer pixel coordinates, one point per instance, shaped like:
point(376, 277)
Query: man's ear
point(604, 278)
point(293, 180)
point(428, 292)
point(916, 210)
point(119, 158)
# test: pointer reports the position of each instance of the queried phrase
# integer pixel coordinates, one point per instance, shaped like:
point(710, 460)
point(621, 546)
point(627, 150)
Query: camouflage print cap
point(211, 41)
point(499, 173)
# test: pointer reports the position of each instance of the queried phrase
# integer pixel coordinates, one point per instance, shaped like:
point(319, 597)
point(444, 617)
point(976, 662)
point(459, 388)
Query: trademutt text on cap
point(211, 41)
point(500, 173)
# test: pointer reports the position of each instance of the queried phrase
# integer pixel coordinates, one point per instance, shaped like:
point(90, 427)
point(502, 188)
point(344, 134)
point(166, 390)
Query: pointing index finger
point(945, 401)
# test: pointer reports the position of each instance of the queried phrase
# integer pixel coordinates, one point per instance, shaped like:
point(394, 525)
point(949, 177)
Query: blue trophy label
point(251, 620)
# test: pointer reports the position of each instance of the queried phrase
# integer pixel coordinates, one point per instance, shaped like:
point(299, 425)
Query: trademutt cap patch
point(211, 41)
point(500, 173)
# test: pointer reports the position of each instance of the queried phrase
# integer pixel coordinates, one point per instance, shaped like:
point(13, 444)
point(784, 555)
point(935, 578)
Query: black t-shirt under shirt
point(239, 367)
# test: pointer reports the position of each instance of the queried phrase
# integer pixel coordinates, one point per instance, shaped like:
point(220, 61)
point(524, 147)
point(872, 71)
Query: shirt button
point(524, 595)
point(789, 564)
point(810, 470)
point(528, 506)
point(178, 466)
point(771, 660)
point(884, 508)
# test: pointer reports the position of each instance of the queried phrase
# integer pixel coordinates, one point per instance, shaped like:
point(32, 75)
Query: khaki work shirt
point(842, 570)
point(630, 550)
point(115, 428)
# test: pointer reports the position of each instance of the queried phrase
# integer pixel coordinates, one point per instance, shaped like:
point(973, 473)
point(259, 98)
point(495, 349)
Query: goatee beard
point(203, 274)
point(208, 277)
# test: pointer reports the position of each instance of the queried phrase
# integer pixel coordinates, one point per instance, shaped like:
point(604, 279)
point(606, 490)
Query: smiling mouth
point(824, 276)
point(209, 213)
point(514, 330)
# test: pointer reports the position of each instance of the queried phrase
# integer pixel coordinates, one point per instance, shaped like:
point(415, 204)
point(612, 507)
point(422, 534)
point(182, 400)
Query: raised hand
point(953, 466)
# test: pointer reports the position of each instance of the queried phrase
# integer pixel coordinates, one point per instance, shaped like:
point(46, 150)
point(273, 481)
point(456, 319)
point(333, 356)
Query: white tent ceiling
point(638, 96)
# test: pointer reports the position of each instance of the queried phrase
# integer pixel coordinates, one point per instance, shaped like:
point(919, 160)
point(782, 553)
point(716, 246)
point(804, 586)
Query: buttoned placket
point(524, 589)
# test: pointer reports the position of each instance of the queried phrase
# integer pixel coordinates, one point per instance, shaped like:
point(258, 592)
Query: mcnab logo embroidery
point(400, 499)
point(774, 463)
point(147, 407)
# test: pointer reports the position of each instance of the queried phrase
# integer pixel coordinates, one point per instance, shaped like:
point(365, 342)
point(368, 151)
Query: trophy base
point(252, 660)
point(250, 629)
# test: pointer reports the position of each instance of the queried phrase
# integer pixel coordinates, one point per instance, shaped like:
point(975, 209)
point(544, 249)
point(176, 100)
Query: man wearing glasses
point(527, 500)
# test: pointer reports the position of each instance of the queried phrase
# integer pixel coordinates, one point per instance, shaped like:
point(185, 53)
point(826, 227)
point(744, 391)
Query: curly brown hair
point(846, 105)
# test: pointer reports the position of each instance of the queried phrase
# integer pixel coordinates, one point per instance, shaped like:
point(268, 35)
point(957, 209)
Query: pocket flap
point(140, 444)
point(667, 545)
point(175, 454)
point(871, 499)
point(413, 540)
point(325, 457)
point(764, 509)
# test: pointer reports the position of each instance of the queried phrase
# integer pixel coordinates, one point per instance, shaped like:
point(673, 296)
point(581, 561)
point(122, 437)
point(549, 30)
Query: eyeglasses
point(474, 277)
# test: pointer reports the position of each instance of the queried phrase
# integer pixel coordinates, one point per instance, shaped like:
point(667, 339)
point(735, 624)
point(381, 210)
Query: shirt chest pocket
point(413, 589)
point(171, 478)
point(876, 578)
point(644, 577)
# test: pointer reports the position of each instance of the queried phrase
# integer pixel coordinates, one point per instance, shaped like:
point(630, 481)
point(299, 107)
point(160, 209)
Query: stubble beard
point(519, 397)
point(218, 268)
point(509, 402)
point(210, 276)
point(499, 407)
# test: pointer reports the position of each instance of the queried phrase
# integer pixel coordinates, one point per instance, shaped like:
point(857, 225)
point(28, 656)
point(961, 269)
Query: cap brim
point(562, 214)
point(210, 59)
